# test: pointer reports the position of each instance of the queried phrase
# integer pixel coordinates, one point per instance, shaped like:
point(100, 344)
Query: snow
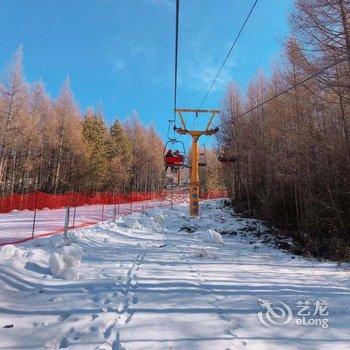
point(156, 214)
point(149, 281)
point(7, 251)
point(65, 261)
point(57, 241)
point(132, 222)
point(211, 236)
point(10, 251)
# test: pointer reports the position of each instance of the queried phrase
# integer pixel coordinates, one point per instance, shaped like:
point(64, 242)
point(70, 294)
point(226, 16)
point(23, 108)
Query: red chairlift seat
point(174, 160)
point(173, 157)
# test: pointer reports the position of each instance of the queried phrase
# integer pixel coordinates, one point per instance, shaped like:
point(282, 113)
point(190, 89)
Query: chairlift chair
point(226, 156)
point(173, 157)
point(202, 159)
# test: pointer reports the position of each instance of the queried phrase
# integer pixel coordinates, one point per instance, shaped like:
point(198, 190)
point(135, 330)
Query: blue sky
point(120, 53)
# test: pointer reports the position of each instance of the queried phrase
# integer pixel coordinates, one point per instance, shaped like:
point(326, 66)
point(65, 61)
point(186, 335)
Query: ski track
point(161, 288)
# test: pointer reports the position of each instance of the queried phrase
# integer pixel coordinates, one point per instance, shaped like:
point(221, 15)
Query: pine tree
point(96, 137)
point(120, 158)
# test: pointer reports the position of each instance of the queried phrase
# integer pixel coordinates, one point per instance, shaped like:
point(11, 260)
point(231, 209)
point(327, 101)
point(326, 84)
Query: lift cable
point(229, 53)
point(176, 55)
point(224, 62)
point(261, 104)
point(320, 71)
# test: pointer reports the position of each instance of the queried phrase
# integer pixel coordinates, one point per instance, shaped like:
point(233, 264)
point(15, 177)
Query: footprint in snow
point(230, 332)
point(125, 318)
point(117, 345)
point(68, 340)
point(233, 322)
point(94, 316)
point(120, 308)
point(64, 343)
point(135, 299)
point(39, 324)
point(64, 316)
point(108, 331)
point(96, 298)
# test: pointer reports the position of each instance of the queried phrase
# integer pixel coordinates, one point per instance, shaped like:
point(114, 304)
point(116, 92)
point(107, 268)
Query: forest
point(293, 151)
point(48, 145)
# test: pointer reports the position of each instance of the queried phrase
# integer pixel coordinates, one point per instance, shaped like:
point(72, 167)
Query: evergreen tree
point(96, 139)
point(120, 158)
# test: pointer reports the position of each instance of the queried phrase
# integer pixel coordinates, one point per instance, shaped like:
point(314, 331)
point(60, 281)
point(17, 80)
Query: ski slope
point(145, 282)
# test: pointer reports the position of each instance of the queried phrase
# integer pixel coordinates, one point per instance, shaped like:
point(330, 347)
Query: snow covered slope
point(149, 281)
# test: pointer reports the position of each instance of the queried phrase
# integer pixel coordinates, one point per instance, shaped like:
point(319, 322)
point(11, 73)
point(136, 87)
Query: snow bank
point(132, 223)
point(57, 241)
point(7, 252)
point(156, 214)
point(118, 219)
point(211, 236)
point(203, 253)
point(64, 263)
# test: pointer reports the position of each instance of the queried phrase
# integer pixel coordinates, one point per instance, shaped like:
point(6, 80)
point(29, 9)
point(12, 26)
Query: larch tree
point(13, 119)
point(46, 145)
point(292, 163)
point(147, 151)
point(69, 143)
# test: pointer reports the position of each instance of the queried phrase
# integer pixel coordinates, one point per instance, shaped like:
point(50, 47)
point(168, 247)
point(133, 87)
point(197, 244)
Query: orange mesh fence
point(40, 214)
point(40, 200)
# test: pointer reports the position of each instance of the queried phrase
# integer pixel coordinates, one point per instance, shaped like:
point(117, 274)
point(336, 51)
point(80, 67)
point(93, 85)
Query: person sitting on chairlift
point(168, 154)
point(177, 155)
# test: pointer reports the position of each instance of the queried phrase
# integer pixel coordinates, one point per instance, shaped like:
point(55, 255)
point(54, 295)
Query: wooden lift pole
point(195, 134)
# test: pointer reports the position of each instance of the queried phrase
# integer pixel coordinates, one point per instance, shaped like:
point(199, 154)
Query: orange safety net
point(24, 217)
point(41, 200)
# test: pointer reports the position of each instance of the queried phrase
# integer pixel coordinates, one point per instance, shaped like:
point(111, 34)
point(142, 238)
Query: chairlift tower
point(195, 134)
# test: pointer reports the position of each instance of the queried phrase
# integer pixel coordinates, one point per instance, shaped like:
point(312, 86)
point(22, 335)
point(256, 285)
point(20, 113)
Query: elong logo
point(282, 314)
point(274, 315)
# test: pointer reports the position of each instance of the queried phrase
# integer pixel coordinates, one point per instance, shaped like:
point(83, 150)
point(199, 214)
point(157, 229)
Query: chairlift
point(174, 154)
point(226, 156)
point(202, 158)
